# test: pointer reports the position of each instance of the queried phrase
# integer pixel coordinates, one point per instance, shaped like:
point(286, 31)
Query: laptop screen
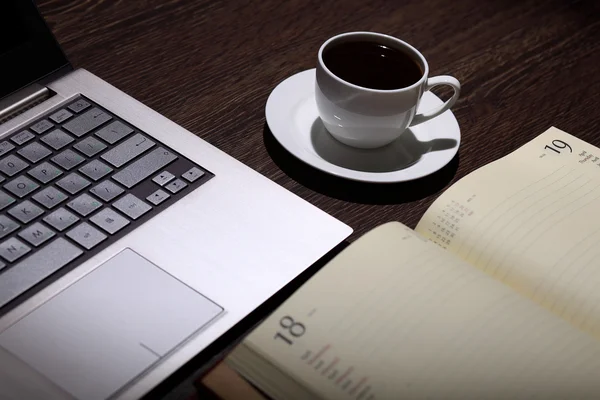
point(28, 51)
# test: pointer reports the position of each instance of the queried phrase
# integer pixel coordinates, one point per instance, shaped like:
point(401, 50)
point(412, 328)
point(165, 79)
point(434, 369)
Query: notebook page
point(532, 221)
point(393, 316)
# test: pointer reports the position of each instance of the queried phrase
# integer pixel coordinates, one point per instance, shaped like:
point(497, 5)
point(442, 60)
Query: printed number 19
point(558, 145)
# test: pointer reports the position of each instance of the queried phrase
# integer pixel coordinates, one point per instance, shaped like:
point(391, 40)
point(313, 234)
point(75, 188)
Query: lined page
point(532, 221)
point(393, 316)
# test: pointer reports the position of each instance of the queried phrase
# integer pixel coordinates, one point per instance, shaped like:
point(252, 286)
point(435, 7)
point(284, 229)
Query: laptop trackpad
point(110, 326)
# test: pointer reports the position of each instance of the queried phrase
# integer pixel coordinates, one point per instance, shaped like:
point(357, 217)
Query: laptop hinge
point(23, 100)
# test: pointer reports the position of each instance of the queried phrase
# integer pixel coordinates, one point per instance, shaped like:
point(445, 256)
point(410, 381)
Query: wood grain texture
point(210, 65)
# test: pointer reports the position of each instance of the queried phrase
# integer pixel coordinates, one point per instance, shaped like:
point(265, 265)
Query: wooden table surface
point(210, 65)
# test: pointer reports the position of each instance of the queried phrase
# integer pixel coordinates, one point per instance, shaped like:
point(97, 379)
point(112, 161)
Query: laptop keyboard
point(72, 183)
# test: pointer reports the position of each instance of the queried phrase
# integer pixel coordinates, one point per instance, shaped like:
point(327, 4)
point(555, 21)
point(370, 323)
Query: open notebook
point(495, 294)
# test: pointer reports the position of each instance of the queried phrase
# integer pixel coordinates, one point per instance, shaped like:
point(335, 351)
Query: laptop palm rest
point(107, 328)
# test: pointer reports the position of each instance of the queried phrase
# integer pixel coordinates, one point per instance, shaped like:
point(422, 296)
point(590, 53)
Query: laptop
point(127, 244)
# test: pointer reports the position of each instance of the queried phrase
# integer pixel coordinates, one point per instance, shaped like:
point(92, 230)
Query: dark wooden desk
point(209, 65)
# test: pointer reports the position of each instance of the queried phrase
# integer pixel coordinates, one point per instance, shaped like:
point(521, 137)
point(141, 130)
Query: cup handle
point(431, 83)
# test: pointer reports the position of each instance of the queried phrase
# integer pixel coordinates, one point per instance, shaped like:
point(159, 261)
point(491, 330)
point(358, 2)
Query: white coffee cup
point(369, 118)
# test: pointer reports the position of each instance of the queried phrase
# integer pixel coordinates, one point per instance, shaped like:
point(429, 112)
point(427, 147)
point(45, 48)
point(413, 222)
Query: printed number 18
point(296, 329)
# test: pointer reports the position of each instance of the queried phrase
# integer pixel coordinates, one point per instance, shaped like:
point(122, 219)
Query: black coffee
point(372, 65)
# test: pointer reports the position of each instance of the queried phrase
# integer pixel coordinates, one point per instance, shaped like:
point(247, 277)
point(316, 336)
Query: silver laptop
point(127, 244)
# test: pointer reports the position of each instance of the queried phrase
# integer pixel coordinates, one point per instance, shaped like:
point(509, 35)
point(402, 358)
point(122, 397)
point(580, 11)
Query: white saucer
point(293, 119)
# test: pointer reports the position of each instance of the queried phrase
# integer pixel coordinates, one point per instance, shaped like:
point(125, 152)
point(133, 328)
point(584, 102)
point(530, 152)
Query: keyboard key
point(73, 183)
point(22, 137)
point(34, 152)
point(128, 150)
point(176, 186)
point(7, 226)
point(61, 219)
point(36, 268)
point(42, 126)
point(21, 186)
point(163, 178)
point(2, 265)
point(25, 211)
point(107, 190)
point(57, 139)
point(68, 159)
point(12, 164)
point(45, 172)
point(193, 174)
point(50, 197)
point(5, 147)
point(95, 170)
point(86, 235)
point(79, 106)
point(36, 234)
point(87, 122)
point(114, 132)
point(158, 197)
point(132, 206)
point(84, 204)
point(110, 221)
point(61, 116)
point(144, 167)
point(90, 146)
point(13, 249)
point(5, 200)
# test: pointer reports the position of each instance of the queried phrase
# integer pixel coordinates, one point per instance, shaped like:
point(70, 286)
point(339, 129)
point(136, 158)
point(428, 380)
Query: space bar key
point(144, 167)
point(35, 268)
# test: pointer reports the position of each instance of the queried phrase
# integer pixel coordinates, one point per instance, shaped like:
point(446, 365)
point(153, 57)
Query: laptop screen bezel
point(34, 59)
